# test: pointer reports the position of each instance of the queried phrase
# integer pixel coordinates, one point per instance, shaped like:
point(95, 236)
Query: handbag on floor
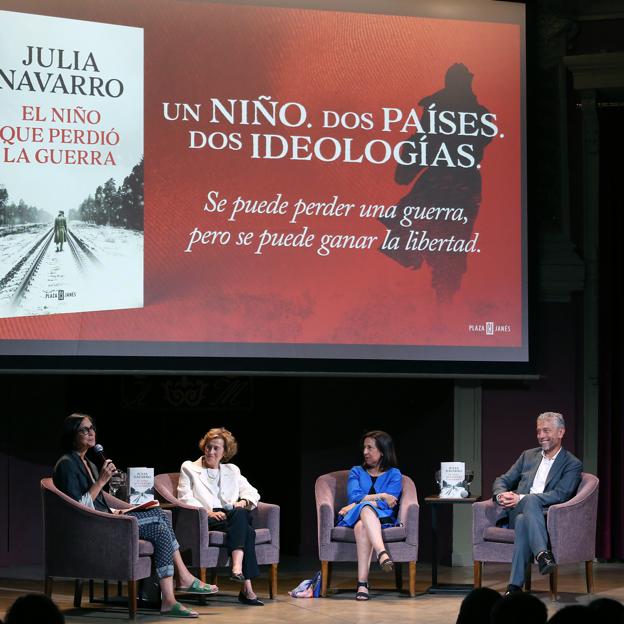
point(310, 588)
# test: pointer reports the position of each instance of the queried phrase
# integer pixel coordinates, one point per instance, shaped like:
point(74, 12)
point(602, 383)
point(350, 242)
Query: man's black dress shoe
point(513, 589)
point(252, 602)
point(546, 562)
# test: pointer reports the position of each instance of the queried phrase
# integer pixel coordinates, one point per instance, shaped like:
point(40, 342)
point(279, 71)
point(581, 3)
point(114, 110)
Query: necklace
point(213, 473)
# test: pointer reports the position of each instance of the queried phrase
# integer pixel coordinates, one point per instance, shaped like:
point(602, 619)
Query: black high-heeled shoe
point(387, 565)
point(360, 595)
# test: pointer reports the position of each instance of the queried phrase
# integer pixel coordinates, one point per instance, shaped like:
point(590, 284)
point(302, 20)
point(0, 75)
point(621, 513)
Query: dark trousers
point(239, 535)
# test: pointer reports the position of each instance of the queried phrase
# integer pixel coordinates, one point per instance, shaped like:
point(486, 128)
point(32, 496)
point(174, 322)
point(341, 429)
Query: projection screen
point(187, 179)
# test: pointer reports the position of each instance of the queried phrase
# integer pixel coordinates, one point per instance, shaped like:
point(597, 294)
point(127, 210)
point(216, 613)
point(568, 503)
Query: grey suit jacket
point(563, 479)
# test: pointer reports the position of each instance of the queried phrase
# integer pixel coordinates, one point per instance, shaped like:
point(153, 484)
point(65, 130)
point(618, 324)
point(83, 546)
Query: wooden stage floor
point(385, 605)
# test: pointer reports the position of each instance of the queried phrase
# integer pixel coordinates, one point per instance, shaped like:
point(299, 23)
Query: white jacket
point(196, 490)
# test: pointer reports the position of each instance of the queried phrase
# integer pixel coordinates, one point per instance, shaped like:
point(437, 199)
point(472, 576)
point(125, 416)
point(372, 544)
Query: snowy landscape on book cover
point(71, 166)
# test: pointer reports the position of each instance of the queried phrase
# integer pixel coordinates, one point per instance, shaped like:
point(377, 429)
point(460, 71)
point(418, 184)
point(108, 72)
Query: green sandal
point(179, 611)
point(196, 587)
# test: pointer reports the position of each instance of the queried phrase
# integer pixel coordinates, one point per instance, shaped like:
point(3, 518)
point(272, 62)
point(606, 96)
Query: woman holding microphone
point(79, 478)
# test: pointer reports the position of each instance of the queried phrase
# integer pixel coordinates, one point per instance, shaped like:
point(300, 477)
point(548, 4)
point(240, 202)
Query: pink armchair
point(571, 528)
point(338, 543)
point(203, 548)
point(82, 543)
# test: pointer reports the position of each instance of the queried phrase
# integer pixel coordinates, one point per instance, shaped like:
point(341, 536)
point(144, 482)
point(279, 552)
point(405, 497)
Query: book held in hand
point(140, 485)
point(147, 505)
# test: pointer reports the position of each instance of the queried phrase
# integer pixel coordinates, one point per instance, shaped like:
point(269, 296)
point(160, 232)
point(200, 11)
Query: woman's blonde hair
point(230, 446)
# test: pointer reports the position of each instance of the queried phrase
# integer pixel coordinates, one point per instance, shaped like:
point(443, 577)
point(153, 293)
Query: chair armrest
point(85, 543)
point(191, 527)
point(325, 504)
point(267, 516)
point(325, 519)
point(572, 528)
point(409, 513)
point(484, 514)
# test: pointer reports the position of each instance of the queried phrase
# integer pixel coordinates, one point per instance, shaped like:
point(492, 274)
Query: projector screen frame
point(206, 364)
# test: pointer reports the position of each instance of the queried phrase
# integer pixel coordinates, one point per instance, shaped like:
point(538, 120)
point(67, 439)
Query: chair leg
point(589, 576)
point(477, 573)
point(213, 576)
point(324, 575)
point(553, 583)
point(105, 591)
point(202, 575)
point(91, 590)
point(330, 573)
point(119, 588)
point(47, 586)
point(78, 583)
point(527, 578)
point(273, 581)
point(398, 575)
point(412, 578)
point(132, 600)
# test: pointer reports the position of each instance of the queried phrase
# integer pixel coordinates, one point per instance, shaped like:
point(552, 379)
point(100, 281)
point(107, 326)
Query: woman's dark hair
point(69, 430)
point(385, 446)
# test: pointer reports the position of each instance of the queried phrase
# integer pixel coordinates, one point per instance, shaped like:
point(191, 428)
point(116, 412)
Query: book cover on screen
point(140, 485)
point(71, 166)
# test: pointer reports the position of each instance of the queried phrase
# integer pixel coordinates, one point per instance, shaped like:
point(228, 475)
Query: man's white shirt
point(541, 476)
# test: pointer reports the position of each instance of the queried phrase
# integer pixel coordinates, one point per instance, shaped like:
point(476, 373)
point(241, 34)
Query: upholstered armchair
point(571, 528)
point(205, 549)
point(338, 543)
point(82, 543)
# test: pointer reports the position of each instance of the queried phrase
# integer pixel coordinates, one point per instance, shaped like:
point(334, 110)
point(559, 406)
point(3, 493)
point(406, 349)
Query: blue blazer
point(358, 486)
point(563, 478)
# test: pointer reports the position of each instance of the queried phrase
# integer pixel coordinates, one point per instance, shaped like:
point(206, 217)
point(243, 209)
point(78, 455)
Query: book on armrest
point(147, 505)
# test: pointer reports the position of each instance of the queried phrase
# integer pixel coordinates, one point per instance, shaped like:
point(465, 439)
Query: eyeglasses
point(86, 430)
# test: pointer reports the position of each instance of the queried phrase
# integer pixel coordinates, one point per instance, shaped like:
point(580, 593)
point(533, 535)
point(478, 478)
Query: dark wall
point(336, 412)
point(510, 408)
point(290, 430)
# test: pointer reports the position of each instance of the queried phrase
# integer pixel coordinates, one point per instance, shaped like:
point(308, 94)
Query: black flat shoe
point(252, 602)
point(238, 577)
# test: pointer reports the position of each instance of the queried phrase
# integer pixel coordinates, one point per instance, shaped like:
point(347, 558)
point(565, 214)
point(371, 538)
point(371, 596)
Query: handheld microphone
point(98, 449)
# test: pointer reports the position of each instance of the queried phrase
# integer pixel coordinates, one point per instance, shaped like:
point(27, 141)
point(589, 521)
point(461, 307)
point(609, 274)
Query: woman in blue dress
point(373, 492)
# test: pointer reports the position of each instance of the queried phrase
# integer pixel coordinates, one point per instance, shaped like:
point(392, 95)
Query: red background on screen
point(324, 60)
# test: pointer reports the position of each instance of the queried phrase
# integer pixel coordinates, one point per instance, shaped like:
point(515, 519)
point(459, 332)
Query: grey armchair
point(203, 548)
point(82, 543)
point(571, 528)
point(338, 543)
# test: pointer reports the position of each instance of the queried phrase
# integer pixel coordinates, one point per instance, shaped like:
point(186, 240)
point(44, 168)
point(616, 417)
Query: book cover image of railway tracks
point(71, 166)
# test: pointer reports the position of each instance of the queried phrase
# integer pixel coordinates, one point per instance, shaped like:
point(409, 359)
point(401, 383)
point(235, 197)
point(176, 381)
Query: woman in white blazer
point(219, 487)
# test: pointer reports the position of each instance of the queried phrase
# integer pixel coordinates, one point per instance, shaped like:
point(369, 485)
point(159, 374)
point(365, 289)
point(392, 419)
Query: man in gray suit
point(541, 477)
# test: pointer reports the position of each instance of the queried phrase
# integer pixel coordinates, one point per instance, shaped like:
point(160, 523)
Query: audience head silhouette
point(519, 608)
point(34, 608)
point(477, 605)
point(573, 614)
point(607, 611)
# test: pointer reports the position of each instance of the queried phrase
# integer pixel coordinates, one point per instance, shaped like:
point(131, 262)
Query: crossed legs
point(368, 538)
point(531, 536)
